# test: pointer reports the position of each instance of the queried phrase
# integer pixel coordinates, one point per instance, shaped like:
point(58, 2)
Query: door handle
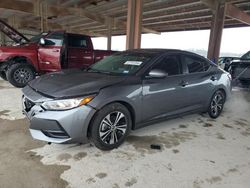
point(213, 78)
point(55, 51)
point(184, 83)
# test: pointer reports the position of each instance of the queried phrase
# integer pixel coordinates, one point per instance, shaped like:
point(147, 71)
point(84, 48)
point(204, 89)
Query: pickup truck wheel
point(110, 126)
point(20, 74)
point(3, 75)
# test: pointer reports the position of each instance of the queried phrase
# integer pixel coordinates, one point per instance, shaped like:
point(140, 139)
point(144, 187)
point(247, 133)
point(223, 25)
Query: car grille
point(28, 104)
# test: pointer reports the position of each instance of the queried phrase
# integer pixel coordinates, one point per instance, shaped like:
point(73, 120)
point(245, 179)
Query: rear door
point(79, 51)
point(164, 96)
point(198, 80)
point(49, 54)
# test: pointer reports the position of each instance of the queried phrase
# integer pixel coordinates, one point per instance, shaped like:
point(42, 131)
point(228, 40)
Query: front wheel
point(110, 126)
point(216, 104)
point(20, 74)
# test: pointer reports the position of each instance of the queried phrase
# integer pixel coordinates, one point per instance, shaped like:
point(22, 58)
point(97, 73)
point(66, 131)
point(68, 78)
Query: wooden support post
point(216, 32)
point(109, 34)
point(134, 24)
point(43, 13)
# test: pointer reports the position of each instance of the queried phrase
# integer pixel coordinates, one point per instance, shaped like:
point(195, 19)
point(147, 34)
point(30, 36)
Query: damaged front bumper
point(68, 126)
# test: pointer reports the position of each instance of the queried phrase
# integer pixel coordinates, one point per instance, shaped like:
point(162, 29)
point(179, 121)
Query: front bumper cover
point(69, 126)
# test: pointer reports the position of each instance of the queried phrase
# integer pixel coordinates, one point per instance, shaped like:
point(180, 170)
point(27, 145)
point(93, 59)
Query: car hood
point(12, 33)
point(73, 83)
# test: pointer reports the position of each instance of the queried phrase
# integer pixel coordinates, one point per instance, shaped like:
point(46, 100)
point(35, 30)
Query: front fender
point(130, 95)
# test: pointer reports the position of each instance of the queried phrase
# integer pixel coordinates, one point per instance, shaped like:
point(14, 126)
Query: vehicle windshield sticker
point(135, 63)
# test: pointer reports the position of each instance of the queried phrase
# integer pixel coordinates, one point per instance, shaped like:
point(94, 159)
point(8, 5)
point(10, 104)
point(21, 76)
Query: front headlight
point(66, 104)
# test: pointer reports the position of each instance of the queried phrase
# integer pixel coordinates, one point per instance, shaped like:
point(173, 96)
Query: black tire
point(20, 74)
point(3, 75)
point(118, 131)
point(216, 104)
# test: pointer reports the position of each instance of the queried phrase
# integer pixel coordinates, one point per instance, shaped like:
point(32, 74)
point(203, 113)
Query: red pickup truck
point(47, 52)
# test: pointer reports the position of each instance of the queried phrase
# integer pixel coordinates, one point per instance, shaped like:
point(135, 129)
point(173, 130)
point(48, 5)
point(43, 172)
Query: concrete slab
point(196, 151)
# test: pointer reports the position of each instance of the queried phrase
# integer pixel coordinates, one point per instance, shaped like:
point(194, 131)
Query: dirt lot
point(196, 152)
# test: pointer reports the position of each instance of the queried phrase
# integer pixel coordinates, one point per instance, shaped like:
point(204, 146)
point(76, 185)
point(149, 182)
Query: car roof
point(159, 51)
point(154, 50)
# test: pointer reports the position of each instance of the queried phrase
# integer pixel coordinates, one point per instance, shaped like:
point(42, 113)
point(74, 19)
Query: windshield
point(121, 63)
point(37, 38)
point(246, 56)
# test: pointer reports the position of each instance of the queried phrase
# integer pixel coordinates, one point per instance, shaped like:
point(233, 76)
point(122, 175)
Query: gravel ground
point(196, 152)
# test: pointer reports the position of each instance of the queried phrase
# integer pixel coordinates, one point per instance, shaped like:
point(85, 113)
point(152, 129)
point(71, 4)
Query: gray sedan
point(121, 93)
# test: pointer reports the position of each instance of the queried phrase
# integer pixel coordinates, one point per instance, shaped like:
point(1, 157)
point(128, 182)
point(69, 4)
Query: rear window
point(77, 41)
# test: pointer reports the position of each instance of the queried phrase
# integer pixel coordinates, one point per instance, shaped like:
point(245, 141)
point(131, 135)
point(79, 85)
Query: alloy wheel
point(22, 75)
point(113, 128)
point(217, 104)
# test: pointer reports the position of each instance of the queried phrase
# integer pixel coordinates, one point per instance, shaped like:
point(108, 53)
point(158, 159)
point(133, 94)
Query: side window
point(77, 41)
point(55, 39)
point(195, 64)
point(170, 64)
point(246, 55)
point(206, 65)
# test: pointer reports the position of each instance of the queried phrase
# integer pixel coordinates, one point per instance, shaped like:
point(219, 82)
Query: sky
point(234, 41)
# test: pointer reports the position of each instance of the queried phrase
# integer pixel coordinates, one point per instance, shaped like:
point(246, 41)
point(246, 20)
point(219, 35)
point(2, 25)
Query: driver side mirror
point(157, 73)
point(42, 41)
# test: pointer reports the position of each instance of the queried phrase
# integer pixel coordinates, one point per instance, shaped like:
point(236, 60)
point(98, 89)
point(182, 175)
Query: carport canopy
point(131, 17)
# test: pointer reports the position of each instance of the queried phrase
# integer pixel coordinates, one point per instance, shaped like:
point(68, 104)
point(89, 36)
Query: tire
point(3, 75)
point(216, 104)
point(105, 133)
point(20, 74)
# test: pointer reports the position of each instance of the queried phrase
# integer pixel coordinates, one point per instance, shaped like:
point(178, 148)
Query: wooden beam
point(216, 32)
point(234, 12)
point(153, 7)
point(21, 6)
point(54, 26)
point(134, 24)
point(210, 3)
point(109, 34)
point(176, 12)
point(231, 11)
point(194, 16)
point(56, 10)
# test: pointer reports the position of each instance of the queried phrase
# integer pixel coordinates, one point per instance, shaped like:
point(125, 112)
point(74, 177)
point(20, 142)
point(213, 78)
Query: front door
point(164, 96)
point(80, 51)
point(50, 53)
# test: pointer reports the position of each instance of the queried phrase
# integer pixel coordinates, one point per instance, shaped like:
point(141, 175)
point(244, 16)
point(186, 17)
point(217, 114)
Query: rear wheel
point(216, 104)
point(110, 126)
point(20, 74)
